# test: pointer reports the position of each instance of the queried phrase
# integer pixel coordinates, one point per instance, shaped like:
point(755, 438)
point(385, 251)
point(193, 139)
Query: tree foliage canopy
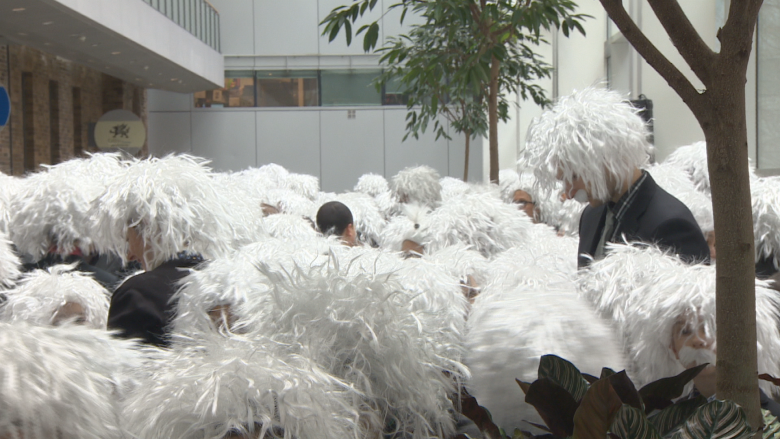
point(461, 49)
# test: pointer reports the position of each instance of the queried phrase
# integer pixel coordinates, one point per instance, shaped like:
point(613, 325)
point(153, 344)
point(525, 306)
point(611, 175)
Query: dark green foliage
point(611, 407)
point(631, 423)
point(444, 63)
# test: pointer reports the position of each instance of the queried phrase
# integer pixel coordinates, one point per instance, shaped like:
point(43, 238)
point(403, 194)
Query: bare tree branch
point(742, 15)
point(685, 38)
point(650, 53)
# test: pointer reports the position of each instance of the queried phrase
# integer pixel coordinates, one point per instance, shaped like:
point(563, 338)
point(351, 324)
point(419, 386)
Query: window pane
point(394, 93)
point(349, 87)
point(239, 91)
point(287, 88)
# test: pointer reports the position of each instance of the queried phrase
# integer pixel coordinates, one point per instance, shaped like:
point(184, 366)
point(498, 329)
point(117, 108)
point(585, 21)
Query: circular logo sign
point(120, 130)
point(5, 107)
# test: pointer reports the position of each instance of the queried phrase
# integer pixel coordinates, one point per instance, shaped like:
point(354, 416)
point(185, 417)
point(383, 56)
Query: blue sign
point(5, 107)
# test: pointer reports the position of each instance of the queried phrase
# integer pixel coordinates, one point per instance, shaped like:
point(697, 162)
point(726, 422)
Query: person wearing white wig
point(517, 190)
point(249, 388)
point(401, 349)
point(419, 184)
point(164, 213)
point(63, 382)
point(596, 143)
point(377, 187)
point(664, 309)
point(368, 220)
point(56, 295)
point(529, 308)
point(766, 225)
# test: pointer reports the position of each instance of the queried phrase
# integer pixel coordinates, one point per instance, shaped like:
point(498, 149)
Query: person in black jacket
point(162, 213)
point(644, 213)
point(596, 144)
point(142, 308)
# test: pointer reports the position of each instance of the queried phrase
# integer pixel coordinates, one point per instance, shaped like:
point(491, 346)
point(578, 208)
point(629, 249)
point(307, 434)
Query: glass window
point(394, 93)
point(239, 91)
point(349, 87)
point(287, 88)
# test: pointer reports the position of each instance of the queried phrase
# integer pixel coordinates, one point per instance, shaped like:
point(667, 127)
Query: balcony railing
point(198, 17)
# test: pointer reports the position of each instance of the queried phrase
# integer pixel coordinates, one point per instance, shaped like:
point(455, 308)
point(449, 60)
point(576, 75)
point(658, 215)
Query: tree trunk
point(495, 65)
point(466, 167)
point(727, 155)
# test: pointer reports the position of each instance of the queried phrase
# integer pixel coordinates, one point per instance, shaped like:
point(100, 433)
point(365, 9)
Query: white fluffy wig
point(173, 205)
point(393, 345)
point(288, 201)
point(304, 185)
point(62, 382)
point(10, 186)
point(372, 184)
point(9, 263)
point(610, 284)
point(692, 159)
point(40, 294)
point(51, 208)
point(233, 280)
point(419, 184)
point(210, 387)
point(288, 226)
point(377, 187)
point(766, 218)
point(406, 226)
point(453, 188)
point(593, 134)
point(483, 222)
point(517, 319)
point(646, 291)
point(245, 207)
point(676, 182)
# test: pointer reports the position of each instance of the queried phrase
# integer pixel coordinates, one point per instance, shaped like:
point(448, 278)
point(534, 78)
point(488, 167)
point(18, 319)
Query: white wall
point(325, 142)
point(768, 90)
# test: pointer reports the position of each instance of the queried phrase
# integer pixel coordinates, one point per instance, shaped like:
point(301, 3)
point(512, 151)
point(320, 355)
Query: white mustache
point(690, 355)
point(581, 196)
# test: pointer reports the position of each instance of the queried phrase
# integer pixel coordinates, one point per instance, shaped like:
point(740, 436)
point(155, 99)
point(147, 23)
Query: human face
point(222, 317)
point(68, 311)
point(136, 247)
point(525, 203)
point(684, 334)
point(711, 242)
point(349, 237)
point(578, 184)
point(412, 249)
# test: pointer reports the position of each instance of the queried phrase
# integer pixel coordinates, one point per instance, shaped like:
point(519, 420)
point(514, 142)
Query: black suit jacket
point(655, 217)
point(141, 307)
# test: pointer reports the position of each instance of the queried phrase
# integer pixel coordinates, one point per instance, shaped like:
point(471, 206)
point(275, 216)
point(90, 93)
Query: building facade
point(295, 99)
point(65, 63)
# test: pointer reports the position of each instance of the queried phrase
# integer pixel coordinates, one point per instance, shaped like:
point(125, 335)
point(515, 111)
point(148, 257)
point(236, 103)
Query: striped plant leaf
point(564, 374)
point(671, 417)
point(771, 425)
point(714, 420)
point(631, 423)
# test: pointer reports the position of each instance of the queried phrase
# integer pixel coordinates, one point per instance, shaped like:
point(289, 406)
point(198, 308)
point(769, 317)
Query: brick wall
point(96, 93)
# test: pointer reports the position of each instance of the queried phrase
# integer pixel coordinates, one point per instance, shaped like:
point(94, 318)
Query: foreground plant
point(581, 406)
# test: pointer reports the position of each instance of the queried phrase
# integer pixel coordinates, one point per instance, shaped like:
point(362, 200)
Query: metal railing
point(198, 17)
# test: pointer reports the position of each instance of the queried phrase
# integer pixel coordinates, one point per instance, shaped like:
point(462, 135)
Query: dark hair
point(333, 218)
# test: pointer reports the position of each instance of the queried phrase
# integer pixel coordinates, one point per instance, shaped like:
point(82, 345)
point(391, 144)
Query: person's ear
point(350, 236)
